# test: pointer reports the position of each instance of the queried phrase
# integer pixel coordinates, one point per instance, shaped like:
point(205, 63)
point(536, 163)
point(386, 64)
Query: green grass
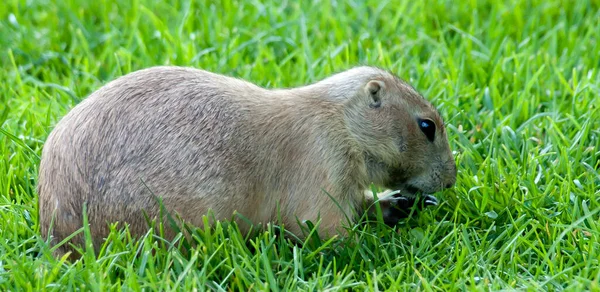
point(518, 84)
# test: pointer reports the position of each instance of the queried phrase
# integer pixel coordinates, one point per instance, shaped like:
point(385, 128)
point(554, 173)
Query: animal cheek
point(402, 146)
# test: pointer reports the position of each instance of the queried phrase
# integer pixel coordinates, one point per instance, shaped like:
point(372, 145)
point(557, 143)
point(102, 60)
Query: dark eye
point(428, 128)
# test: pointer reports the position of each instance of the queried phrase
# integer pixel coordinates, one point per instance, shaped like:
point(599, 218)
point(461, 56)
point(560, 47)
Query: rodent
point(200, 141)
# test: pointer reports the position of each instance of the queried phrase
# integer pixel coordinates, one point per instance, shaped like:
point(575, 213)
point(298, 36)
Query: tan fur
point(205, 141)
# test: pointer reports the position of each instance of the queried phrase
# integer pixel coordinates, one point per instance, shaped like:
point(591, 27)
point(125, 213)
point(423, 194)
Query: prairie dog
point(203, 141)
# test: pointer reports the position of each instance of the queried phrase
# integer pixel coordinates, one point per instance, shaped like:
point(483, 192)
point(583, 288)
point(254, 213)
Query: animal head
point(401, 134)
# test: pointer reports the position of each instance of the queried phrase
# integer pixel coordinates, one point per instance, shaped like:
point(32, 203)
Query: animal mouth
point(399, 182)
point(410, 190)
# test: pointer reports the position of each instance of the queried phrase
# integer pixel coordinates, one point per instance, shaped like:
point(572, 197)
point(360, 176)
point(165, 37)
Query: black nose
point(449, 185)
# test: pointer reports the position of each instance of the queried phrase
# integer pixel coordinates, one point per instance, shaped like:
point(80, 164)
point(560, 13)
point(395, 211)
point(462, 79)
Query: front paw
point(400, 207)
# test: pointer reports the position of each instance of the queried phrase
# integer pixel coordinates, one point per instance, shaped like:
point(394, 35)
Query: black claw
point(403, 202)
point(430, 200)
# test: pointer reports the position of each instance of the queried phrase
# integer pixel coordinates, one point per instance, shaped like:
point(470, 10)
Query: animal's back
point(164, 131)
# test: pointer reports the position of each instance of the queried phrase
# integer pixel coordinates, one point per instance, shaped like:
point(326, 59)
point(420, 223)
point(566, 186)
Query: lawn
point(518, 83)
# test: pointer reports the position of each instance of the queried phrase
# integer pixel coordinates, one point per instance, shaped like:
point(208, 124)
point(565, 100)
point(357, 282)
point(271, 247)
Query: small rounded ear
point(373, 89)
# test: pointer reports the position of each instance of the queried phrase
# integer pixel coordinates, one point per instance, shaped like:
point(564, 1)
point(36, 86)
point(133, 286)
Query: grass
point(517, 81)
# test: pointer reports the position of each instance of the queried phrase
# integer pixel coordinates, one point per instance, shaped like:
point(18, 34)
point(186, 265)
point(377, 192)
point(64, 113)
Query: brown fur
point(205, 141)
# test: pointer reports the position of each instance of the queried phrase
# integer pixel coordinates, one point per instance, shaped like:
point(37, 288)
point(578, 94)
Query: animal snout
point(451, 176)
point(450, 182)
